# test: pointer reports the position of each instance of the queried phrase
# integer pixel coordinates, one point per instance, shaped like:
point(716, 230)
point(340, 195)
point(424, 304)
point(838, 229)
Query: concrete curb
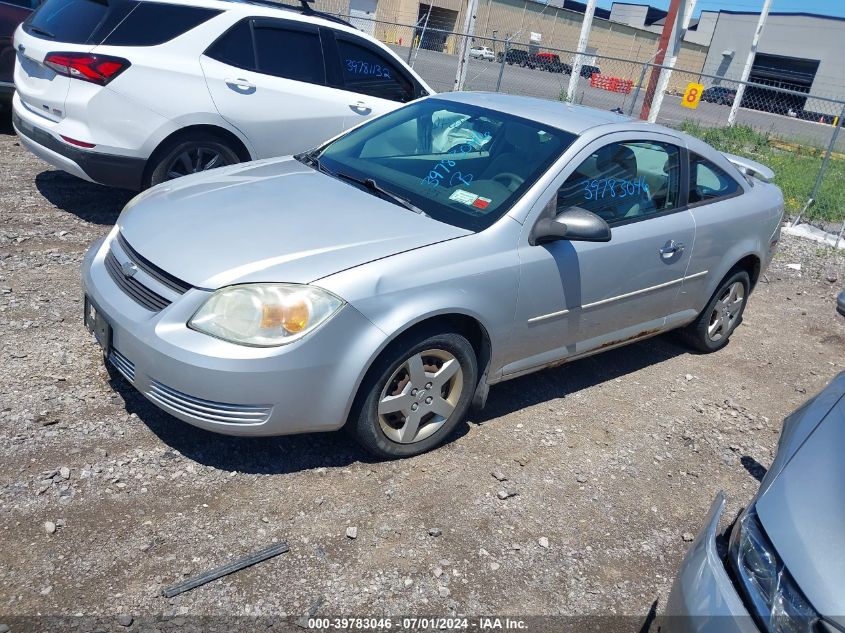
point(816, 235)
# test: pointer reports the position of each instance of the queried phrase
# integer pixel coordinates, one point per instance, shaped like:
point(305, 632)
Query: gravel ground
point(607, 465)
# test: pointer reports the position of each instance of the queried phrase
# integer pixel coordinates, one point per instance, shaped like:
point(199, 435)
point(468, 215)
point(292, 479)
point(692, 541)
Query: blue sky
point(824, 7)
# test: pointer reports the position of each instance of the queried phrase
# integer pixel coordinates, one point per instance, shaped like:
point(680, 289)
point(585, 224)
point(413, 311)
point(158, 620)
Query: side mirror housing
point(574, 224)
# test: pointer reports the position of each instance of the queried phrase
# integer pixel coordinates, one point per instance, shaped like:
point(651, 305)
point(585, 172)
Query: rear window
point(77, 21)
point(113, 22)
point(154, 23)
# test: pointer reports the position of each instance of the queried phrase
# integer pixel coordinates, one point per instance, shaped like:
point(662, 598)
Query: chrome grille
point(125, 366)
point(163, 277)
point(142, 295)
point(207, 410)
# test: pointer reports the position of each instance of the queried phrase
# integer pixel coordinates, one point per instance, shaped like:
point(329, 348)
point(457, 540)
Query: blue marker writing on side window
point(358, 67)
point(612, 188)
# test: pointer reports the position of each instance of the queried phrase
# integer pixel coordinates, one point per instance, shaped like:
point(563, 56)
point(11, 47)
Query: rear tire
point(712, 329)
point(192, 153)
point(415, 395)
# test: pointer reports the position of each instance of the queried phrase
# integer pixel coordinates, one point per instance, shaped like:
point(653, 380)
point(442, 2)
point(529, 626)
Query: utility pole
point(586, 25)
point(663, 46)
point(676, 43)
point(746, 72)
point(469, 29)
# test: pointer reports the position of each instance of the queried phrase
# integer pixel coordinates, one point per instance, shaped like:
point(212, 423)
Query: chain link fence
point(796, 133)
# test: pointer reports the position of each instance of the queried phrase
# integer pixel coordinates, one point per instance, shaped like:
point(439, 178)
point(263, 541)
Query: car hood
point(272, 220)
point(803, 512)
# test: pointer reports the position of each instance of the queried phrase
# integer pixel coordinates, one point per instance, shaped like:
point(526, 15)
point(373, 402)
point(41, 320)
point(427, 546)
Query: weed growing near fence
point(795, 165)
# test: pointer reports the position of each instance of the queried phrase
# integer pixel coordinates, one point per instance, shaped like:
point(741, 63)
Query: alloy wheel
point(195, 160)
point(726, 311)
point(420, 396)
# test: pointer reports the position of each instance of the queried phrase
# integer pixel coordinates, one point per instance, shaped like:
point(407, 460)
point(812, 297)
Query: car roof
point(271, 9)
point(569, 117)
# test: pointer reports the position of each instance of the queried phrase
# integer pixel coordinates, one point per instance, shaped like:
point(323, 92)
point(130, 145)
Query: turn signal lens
point(293, 316)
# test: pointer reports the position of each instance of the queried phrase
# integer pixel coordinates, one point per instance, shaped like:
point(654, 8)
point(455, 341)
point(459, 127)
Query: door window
point(625, 182)
point(235, 47)
point(708, 182)
point(367, 72)
point(289, 53)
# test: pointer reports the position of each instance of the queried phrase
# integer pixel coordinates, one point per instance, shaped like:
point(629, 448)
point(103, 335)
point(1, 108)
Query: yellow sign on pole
point(692, 95)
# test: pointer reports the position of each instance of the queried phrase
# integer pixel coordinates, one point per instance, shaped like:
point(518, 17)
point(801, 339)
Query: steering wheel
point(509, 180)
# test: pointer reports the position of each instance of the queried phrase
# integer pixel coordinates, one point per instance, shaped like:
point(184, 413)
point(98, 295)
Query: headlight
point(264, 315)
point(777, 600)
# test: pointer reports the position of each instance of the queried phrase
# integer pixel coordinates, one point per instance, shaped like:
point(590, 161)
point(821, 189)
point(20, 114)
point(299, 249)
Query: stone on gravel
point(499, 475)
point(687, 536)
point(50, 527)
point(444, 592)
point(435, 531)
point(64, 472)
point(124, 620)
point(4, 628)
point(543, 542)
point(352, 532)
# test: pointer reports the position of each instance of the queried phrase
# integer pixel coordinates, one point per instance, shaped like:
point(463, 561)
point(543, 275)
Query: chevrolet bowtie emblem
point(128, 269)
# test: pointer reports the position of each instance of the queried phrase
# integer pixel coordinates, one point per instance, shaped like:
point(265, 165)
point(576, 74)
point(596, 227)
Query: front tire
point(713, 327)
point(415, 395)
point(189, 154)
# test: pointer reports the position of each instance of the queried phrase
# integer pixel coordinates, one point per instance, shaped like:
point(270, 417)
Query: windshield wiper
point(310, 159)
point(41, 31)
point(374, 187)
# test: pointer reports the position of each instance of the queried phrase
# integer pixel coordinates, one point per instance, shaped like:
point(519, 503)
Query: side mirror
point(574, 224)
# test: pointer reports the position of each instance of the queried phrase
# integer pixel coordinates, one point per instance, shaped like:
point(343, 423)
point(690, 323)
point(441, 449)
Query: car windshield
point(458, 163)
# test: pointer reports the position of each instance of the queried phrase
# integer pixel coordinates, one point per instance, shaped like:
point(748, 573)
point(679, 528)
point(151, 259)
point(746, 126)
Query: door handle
point(670, 248)
point(240, 85)
point(360, 107)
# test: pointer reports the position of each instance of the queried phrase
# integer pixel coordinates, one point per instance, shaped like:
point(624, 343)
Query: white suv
point(131, 93)
point(482, 52)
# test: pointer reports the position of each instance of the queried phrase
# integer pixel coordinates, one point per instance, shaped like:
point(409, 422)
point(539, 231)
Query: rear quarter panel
point(728, 230)
point(168, 80)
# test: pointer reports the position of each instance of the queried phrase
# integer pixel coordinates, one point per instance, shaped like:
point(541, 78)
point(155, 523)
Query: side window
point(623, 182)
point(709, 182)
point(289, 53)
point(366, 72)
point(234, 47)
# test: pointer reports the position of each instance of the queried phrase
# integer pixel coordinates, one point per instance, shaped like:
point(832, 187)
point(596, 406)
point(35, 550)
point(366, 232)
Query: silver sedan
point(386, 279)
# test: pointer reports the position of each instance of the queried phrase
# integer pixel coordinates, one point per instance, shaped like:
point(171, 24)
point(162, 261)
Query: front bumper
point(302, 387)
point(840, 303)
point(106, 169)
point(703, 598)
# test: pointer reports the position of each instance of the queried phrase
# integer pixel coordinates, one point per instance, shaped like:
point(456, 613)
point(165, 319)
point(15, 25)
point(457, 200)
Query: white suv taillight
point(98, 69)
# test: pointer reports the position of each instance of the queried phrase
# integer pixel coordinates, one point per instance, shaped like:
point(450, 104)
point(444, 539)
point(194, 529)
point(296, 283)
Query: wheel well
point(751, 265)
point(463, 324)
point(224, 134)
